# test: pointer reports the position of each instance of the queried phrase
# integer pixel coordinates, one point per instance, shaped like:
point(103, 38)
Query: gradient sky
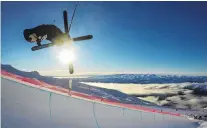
point(139, 37)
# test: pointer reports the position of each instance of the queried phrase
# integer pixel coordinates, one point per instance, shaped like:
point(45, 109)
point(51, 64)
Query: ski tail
point(65, 18)
point(83, 38)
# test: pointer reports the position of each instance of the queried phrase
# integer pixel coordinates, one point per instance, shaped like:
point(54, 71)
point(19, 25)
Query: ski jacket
point(42, 32)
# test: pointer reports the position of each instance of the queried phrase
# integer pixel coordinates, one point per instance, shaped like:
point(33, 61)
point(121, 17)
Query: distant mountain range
point(118, 78)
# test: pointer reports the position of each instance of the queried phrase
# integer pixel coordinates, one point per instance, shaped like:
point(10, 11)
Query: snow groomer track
point(30, 103)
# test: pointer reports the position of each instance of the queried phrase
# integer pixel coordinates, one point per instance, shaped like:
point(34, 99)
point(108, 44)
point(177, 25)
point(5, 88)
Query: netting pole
point(70, 85)
point(50, 104)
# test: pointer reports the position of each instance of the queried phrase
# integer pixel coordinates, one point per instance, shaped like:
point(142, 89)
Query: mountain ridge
point(118, 78)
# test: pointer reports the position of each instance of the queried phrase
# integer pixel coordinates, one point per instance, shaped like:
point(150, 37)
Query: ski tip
point(64, 12)
point(91, 36)
point(71, 70)
point(33, 49)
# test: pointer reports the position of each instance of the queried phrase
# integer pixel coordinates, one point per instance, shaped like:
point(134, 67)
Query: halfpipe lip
point(62, 91)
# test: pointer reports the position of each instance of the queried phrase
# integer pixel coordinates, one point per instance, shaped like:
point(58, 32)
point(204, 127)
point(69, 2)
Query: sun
point(66, 56)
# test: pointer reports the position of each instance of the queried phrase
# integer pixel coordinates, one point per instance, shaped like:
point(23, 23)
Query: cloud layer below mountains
point(179, 95)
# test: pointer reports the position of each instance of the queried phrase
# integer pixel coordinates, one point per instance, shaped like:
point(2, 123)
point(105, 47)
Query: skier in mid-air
point(54, 35)
point(45, 32)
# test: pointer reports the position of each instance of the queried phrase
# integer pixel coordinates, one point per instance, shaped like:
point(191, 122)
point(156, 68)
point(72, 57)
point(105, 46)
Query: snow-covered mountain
point(199, 83)
point(121, 78)
point(145, 78)
point(78, 87)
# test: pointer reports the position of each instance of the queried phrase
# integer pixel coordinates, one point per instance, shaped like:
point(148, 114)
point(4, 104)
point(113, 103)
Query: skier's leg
point(61, 39)
point(58, 37)
point(57, 40)
point(38, 43)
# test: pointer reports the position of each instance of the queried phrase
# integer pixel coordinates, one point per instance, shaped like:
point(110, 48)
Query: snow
point(203, 124)
point(27, 106)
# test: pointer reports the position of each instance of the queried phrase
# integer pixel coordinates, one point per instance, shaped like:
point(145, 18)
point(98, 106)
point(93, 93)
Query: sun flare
point(66, 56)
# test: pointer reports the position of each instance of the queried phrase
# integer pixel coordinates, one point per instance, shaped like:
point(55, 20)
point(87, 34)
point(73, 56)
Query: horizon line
point(51, 73)
point(64, 73)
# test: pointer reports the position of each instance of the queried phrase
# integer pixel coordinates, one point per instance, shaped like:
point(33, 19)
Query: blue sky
point(138, 37)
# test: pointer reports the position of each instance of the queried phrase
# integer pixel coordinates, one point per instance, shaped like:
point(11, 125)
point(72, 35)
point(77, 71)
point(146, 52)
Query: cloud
point(176, 95)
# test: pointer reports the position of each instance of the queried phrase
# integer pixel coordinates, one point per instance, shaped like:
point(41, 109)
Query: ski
point(42, 46)
point(65, 18)
point(81, 38)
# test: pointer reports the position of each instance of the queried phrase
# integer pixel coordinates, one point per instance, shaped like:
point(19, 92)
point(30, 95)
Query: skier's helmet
point(27, 33)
